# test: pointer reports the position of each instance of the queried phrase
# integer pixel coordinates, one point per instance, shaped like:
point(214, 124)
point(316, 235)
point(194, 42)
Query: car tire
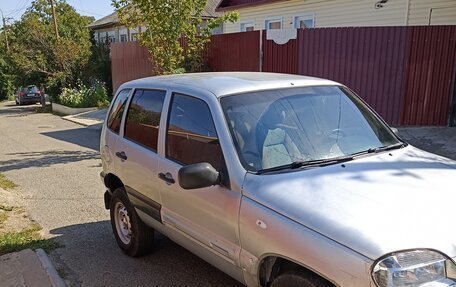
point(298, 278)
point(132, 235)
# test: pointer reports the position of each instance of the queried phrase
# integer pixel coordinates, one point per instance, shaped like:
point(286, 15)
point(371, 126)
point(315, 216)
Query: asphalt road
point(56, 165)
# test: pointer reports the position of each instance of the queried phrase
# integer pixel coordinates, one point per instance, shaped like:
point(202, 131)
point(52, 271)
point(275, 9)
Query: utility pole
point(55, 20)
point(5, 31)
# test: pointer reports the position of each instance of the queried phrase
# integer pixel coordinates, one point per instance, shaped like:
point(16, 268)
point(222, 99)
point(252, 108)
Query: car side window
point(116, 112)
point(191, 136)
point(143, 117)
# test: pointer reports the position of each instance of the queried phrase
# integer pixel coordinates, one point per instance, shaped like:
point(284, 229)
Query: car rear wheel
point(132, 235)
point(298, 278)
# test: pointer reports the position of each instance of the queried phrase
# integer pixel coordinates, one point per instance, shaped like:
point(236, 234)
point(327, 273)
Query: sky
point(96, 8)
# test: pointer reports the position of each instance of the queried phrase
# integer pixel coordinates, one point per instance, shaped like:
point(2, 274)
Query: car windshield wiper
point(310, 163)
point(388, 147)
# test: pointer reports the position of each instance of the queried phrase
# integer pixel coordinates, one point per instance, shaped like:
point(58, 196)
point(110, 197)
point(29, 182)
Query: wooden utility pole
point(55, 20)
point(5, 31)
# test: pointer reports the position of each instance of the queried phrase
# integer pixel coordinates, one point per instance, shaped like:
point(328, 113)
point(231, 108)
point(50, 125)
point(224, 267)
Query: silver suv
point(277, 180)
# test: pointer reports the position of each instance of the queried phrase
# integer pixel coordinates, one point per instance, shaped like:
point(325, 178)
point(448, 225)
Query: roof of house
point(234, 4)
point(113, 20)
point(106, 21)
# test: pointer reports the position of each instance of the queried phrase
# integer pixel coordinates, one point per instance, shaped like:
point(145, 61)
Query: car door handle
point(168, 178)
point(121, 155)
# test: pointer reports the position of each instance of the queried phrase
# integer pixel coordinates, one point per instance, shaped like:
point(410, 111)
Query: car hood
point(403, 199)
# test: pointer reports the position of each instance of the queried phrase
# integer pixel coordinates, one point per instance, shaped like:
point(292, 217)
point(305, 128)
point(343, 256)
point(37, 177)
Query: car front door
point(208, 217)
point(136, 150)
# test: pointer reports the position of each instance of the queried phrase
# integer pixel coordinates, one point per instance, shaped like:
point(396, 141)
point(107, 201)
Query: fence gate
point(280, 51)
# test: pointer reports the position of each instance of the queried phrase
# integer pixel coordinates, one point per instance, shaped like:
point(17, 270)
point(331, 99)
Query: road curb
point(54, 277)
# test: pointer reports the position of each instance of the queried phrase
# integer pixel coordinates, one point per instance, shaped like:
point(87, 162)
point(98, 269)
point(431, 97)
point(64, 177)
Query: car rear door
point(136, 150)
point(207, 217)
point(111, 131)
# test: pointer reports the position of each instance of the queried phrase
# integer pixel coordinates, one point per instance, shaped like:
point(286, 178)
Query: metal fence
point(406, 74)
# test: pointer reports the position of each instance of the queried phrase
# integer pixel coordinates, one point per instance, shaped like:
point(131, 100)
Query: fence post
point(452, 122)
point(261, 51)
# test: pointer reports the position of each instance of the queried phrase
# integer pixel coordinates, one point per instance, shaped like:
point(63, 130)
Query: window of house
point(273, 23)
point(103, 39)
point(191, 136)
point(123, 38)
point(116, 112)
point(304, 21)
point(143, 117)
point(134, 36)
point(112, 39)
point(247, 26)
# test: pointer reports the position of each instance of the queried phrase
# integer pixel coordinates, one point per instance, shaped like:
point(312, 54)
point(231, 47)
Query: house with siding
point(285, 14)
point(109, 29)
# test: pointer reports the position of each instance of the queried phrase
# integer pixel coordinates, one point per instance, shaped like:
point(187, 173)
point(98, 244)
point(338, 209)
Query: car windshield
point(298, 125)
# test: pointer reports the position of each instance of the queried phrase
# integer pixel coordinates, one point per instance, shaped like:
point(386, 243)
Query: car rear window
point(116, 112)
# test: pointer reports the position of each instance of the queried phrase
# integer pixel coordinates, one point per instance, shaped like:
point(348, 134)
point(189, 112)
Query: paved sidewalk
point(28, 269)
point(92, 119)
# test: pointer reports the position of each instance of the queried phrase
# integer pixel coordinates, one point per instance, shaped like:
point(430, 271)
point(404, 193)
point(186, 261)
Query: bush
point(84, 97)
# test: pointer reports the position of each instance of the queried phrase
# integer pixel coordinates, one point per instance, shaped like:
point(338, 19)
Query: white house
point(109, 29)
point(278, 14)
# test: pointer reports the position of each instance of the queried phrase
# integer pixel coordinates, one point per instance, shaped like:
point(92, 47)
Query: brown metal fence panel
point(368, 60)
point(431, 64)
point(235, 52)
point(280, 58)
point(129, 61)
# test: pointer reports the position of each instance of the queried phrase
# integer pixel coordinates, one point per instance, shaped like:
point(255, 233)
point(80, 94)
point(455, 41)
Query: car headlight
point(414, 268)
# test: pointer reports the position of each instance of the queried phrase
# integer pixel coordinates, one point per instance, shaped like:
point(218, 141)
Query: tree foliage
point(39, 57)
point(168, 22)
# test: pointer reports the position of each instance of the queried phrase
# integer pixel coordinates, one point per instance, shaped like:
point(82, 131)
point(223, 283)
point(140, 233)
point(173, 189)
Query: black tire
point(298, 278)
point(141, 237)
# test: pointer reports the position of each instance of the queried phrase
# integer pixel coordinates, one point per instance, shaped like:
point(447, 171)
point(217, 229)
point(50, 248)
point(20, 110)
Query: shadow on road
point(45, 159)
point(17, 111)
point(91, 254)
point(88, 138)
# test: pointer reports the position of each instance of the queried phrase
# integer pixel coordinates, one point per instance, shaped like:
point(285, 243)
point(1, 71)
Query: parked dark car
point(28, 95)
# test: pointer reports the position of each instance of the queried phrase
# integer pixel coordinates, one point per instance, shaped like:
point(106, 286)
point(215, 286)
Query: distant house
point(109, 28)
point(283, 14)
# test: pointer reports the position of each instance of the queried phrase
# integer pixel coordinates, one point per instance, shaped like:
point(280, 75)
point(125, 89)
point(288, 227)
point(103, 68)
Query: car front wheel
point(132, 235)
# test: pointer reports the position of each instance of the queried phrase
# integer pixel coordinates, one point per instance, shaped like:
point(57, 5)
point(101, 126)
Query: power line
point(88, 12)
point(16, 11)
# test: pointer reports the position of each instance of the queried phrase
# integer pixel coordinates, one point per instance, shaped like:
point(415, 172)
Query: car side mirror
point(395, 131)
point(198, 175)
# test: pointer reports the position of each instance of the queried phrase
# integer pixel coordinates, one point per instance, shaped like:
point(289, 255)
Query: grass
point(27, 238)
point(3, 218)
point(6, 183)
point(4, 213)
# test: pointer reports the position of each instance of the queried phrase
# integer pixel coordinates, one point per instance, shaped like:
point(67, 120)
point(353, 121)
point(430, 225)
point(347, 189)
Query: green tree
point(38, 57)
point(167, 22)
